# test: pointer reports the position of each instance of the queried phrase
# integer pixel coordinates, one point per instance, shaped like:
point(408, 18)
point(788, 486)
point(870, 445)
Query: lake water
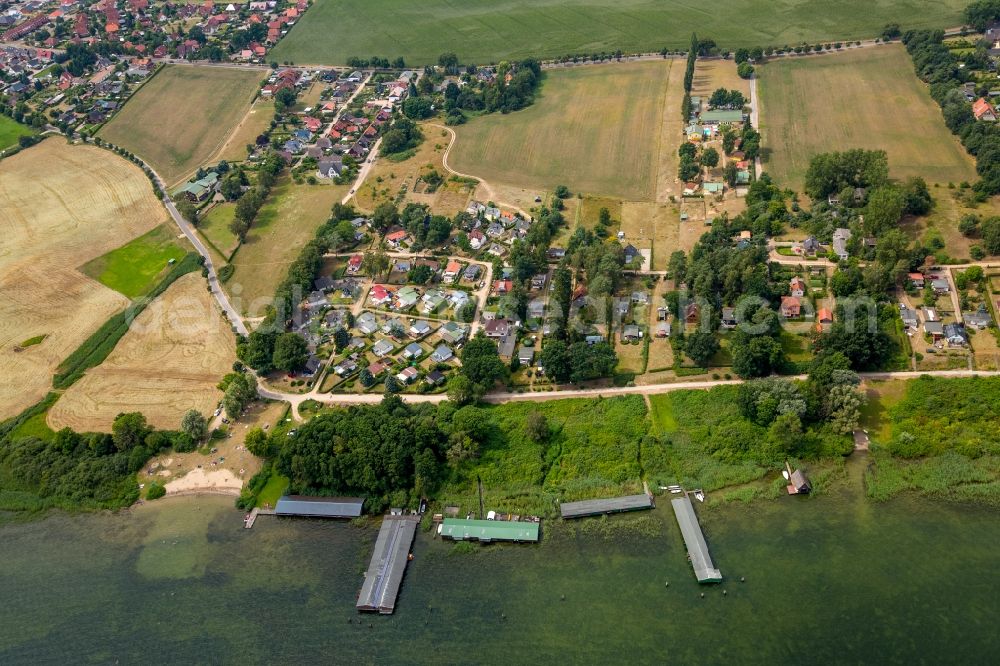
point(829, 579)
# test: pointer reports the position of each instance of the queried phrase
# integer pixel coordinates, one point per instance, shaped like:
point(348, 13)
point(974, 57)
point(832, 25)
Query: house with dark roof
point(979, 319)
point(956, 335)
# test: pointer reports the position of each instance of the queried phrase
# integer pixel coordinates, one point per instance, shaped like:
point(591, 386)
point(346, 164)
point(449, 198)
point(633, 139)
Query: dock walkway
point(252, 518)
point(694, 539)
point(597, 507)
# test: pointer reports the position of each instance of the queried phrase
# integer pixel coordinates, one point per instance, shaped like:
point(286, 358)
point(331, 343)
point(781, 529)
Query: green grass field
point(183, 116)
point(593, 129)
point(136, 267)
point(287, 221)
point(593, 450)
point(11, 131)
point(868, 98)
point(483, 31)
point(214, 228)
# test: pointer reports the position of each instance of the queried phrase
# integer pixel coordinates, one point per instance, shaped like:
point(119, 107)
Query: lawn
point(214, 227)
point(593, 129)
point(272, 492)
point(11, 131)
point(287, 221)
point(214, 101)
point(483, 31)
point(868, 98)
point(136, 267)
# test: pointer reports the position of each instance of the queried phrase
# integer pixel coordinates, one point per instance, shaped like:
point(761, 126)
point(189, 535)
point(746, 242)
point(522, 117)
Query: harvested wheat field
point(210, 102)
point(170, 361)
point(868, 98)
point(595, 129)
point(55, 219)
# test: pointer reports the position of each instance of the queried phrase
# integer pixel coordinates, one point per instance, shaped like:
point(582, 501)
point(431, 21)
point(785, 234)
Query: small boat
point(699, 495)
point(676, 491)
point(784, 473)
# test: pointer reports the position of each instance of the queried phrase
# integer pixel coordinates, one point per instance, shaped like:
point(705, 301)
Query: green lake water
point(829, 579)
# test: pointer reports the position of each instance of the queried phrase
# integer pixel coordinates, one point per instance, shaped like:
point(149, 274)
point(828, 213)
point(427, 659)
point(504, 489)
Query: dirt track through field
point(62, 206)
point(170, 361)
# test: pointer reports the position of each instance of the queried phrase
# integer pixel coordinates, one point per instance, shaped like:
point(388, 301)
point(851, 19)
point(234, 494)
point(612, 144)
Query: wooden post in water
point(479, 481)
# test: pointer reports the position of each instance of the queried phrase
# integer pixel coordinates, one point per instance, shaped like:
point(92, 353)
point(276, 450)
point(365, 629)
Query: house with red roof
point(380, 295)
point(501, 287)
point(354, 263)
point(791, 307)
point(984, 111)
point(797, 286)
point(396, 238)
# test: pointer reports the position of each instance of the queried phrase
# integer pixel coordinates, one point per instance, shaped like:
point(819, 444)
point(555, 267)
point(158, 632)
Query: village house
point(955, 335)
point(497, 328)
point(452, 270)
point(379, 295)
point(729, 318)
point(366, 323)
point(791, 307)
point(412, 351)
point(396, 238)
point(442, 354)
point(797, 287)
point(934, 329)
point(979, 319)
point(840, 238)
point(940, 286)
point(407, 375)
point(354, 263)
point(909, 317)
point(419, 328)
point(382, 348)
point(916, 279)
point(984, 111)
point(452, 333)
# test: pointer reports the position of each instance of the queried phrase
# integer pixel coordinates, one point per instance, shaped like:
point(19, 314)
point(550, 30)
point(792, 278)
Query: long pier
point(385, 572)
point(694, 539)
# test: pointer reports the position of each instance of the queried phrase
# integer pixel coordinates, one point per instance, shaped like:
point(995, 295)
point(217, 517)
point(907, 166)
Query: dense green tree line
point(936, 65)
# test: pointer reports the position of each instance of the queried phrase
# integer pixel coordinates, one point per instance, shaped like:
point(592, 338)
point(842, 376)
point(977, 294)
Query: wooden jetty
point(694, 539)
point(597, 507)
point(249, 521)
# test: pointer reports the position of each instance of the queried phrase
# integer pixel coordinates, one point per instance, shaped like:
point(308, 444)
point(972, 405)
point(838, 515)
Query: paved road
point(213, 279)
point(755, 121)
point(368, 398)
